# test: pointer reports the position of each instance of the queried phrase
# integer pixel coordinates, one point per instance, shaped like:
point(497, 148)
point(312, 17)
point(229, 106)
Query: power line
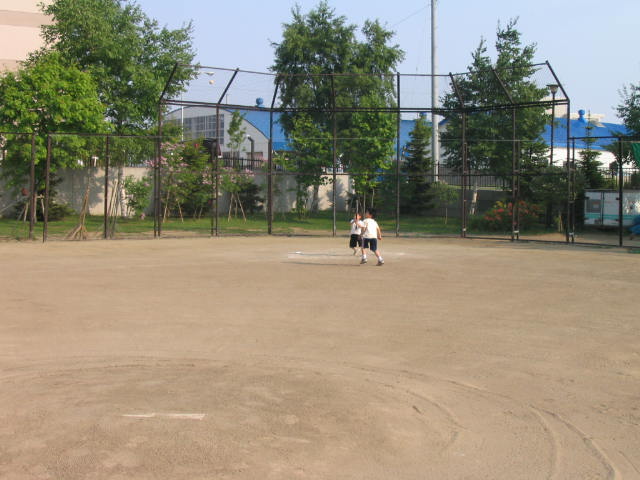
point(408, 17)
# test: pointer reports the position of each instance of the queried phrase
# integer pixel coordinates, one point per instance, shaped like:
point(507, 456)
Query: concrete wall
point(74, 183)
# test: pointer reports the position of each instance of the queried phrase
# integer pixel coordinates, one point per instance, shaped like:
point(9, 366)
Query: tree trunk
point(120, 183)
point(180, 211)
point(474, 199)
point(315, 200)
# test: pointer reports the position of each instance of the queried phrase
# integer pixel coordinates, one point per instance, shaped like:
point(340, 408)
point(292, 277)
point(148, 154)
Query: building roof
point(260, 120)
point(578, 128)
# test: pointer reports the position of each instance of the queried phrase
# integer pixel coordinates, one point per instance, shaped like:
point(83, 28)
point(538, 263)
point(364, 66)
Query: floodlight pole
point(435, 145)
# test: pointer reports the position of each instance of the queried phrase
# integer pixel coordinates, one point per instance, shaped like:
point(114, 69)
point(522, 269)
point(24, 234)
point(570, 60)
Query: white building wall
point(560, 156)
point(261, 143)
point(20, 22)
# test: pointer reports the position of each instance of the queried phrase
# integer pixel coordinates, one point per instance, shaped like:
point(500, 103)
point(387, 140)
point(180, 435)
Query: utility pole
point(435, 139)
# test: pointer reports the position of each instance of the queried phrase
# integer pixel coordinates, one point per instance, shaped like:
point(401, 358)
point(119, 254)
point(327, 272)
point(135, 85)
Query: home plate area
point(272, 419)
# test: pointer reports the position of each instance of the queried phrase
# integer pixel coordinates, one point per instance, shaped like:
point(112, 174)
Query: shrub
point(499, 217)
point(634, 181)
point(57, 211)
point(138, 193)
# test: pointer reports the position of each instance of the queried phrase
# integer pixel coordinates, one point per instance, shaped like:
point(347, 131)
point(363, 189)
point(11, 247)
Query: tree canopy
point(102, 69)
point(48, 96)
point(629, 108)
point(317, 59)
point(129, 56)
point(417, 169)
point(489, 132)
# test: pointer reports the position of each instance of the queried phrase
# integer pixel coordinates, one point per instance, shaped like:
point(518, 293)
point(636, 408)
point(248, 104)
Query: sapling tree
point(443, 195)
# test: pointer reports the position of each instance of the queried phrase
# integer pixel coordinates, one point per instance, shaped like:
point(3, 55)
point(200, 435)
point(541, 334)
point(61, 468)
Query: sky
point(590, 44)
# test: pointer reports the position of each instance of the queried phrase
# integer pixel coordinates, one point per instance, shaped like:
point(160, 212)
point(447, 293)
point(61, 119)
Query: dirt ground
point(283, 358)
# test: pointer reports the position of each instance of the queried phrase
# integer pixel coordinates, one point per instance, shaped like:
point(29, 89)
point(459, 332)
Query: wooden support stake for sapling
point(80, 231)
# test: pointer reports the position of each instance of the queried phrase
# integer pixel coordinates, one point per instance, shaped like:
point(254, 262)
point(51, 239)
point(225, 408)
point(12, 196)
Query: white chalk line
point(318, 255)
point(178, 416)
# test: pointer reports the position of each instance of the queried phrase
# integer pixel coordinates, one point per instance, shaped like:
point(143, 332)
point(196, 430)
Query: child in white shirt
point(355, 240)
point(371, 233)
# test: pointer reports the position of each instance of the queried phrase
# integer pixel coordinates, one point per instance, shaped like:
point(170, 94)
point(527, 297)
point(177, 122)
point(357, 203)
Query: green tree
point(589, 164)
point(128, 55)
point(45, 96)
point(629, 112)
point(237, 133)
point(186, 178)
point(417, 169)
point(316, 58)
point(138, 194)
point(489, 132)
point(629, 108)
point(443, 195)
point(311, 146)
point(368, 146)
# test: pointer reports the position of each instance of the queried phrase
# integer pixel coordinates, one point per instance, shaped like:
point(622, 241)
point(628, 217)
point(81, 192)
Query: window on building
point(204, 127)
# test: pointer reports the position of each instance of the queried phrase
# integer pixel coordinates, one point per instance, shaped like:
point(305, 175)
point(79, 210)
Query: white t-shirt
point(355, 228)
point(370, 228)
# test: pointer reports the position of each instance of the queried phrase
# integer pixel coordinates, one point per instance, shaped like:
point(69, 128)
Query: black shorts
point(355, 241)
point(371, 244)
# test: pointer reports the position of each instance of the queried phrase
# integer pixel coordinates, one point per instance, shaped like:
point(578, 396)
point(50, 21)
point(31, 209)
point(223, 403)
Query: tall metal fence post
point(515, 233)
point(335, 155)
point(213, 152)
point(32, 187)
point(216, 183)
point(105, 228)
point(516, 206)
point(465, 176)
point(270, 162)
point(159, 147)
point(47, 190)
point(270, 186)
point(156, 207)
point(574, 189)
point(156, 192)
point(398, 124)
point(570, 228)
point(620, 194)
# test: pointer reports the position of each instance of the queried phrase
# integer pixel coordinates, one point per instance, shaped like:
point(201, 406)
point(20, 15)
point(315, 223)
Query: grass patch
point(320, 223)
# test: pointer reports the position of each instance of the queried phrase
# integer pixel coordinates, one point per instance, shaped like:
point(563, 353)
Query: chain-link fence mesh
point(20, 211)
point(254, 161)
point(124, 187)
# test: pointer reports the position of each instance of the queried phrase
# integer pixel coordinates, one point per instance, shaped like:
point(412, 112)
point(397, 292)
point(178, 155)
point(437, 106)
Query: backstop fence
point(298, 168)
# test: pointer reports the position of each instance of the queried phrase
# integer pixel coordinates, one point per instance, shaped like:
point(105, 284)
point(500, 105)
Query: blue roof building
point(578, 129)
point(258, 126)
